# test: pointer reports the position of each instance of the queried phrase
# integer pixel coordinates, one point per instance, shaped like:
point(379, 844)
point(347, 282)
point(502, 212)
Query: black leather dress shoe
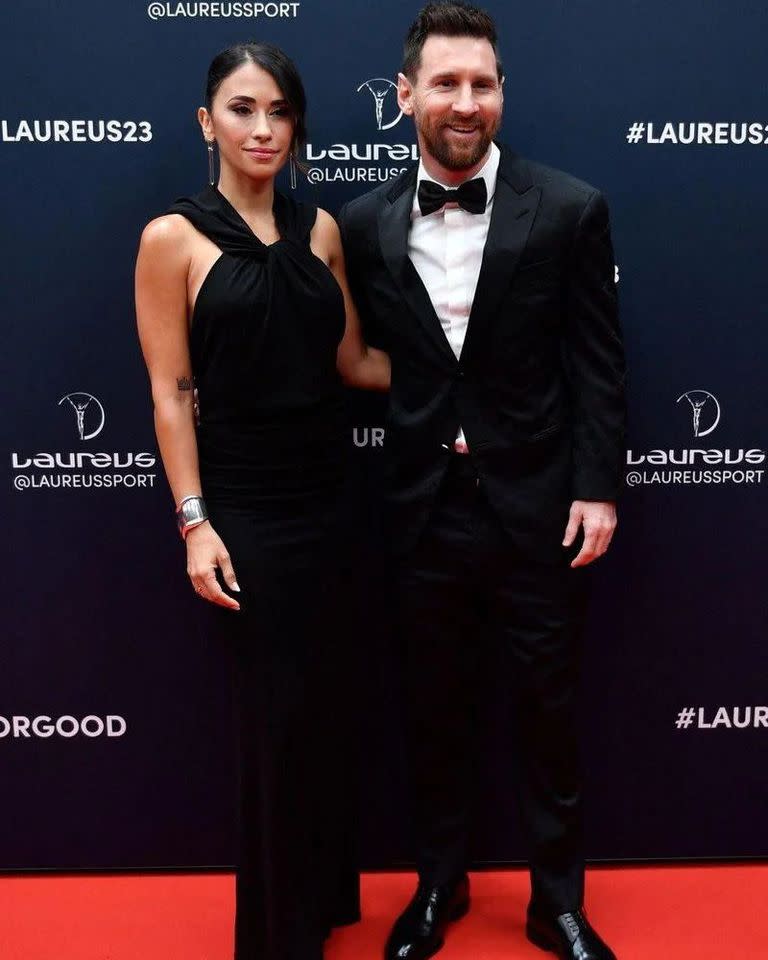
point(569, 935)
point(419, 931)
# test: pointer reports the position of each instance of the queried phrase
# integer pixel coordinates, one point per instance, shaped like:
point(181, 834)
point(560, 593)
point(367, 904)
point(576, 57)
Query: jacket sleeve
point(594, 358)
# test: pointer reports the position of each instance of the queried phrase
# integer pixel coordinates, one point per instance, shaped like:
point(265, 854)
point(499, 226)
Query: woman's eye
point(242, 110)
point(280, 112)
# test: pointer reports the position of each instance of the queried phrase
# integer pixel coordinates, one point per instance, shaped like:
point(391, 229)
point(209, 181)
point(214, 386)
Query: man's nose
point(465, 102)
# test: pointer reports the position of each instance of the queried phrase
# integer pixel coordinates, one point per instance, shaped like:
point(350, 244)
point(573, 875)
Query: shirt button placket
point(454, 270)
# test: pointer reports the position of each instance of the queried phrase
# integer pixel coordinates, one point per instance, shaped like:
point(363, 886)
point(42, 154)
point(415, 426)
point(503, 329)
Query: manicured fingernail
point(235, 587)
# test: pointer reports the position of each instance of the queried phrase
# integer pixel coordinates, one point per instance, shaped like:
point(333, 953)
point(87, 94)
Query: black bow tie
point(470, 196)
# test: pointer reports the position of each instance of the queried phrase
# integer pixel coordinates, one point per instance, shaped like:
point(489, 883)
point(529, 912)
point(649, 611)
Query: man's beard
point(454, 155)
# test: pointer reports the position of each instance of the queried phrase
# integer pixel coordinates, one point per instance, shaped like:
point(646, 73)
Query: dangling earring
point(211, 172)
point(292, 169)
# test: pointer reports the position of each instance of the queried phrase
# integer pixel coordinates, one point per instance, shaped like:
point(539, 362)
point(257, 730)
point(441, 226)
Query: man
point(490, 281)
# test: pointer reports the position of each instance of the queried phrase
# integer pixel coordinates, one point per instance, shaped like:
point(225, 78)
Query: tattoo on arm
point(184, 383)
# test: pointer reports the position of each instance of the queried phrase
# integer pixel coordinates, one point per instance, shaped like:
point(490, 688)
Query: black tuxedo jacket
point(539, 386)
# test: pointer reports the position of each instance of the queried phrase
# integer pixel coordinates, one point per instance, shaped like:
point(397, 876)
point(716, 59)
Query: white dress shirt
point(446, 248)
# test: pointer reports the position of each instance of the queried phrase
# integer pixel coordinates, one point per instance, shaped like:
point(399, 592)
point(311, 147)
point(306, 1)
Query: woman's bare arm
point(162, 268)
point(359, 365)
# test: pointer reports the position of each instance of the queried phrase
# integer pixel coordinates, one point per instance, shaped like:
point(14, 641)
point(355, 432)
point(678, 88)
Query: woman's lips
point(260, 153)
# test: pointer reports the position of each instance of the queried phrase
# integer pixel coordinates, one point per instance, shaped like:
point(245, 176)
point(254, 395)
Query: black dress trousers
point(469, 599)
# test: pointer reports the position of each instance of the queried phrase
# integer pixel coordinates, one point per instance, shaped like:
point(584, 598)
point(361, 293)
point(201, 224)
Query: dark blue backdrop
point(99, 620)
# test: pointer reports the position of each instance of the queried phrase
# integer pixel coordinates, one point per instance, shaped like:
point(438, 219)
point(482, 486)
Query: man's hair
point(447, 18)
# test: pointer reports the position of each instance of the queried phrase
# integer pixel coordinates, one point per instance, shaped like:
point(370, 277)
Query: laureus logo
point(380, 88)
point(89, 414)
point(697, 463)
point(705, 410)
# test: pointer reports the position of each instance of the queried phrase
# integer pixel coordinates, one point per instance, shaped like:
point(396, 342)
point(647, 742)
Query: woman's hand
point(206, 552)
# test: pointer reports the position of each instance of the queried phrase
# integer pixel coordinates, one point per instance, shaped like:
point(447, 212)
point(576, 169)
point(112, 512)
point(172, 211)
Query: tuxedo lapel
point(515, 203)
point(394, 226)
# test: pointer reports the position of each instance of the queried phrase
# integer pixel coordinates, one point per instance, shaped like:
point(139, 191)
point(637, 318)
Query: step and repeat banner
point(116, 746)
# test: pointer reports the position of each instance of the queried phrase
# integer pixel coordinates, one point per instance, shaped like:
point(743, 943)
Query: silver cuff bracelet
point(191, 513)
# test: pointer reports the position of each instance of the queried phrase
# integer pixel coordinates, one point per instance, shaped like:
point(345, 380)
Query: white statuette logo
point(706, 410)
point(379, 88)
point(89, 414)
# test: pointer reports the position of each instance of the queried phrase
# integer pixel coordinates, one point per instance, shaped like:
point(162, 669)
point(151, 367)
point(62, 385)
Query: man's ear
point(405, 94)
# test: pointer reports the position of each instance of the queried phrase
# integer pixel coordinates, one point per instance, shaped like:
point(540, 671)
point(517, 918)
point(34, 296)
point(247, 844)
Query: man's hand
point(599, 521)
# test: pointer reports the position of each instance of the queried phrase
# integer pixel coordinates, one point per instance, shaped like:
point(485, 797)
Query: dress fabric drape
point(273, 450)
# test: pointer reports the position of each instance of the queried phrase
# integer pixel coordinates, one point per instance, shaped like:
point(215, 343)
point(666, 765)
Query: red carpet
point(645, 913)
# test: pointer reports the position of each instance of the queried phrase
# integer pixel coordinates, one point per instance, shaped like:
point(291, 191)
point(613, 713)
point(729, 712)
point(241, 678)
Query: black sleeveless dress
point(273, 451)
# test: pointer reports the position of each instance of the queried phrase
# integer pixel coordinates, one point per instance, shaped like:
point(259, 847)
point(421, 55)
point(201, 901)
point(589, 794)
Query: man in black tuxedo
point(490, 281)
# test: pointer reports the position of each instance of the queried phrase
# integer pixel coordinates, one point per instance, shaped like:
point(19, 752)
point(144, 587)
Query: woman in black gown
point(241, 294)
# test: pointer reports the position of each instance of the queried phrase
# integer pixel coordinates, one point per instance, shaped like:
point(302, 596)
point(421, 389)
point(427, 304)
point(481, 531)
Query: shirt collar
point(489, 171)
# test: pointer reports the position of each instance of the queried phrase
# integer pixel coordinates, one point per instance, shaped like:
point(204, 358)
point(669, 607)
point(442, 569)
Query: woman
point(241, 294)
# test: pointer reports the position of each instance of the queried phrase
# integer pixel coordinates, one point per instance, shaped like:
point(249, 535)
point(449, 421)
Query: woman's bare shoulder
point(325, 224)
point(326, 236)
point(168, 236)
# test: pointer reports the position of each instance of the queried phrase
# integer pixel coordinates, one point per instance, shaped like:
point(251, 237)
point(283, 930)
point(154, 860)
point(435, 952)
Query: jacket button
point(459, 374)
